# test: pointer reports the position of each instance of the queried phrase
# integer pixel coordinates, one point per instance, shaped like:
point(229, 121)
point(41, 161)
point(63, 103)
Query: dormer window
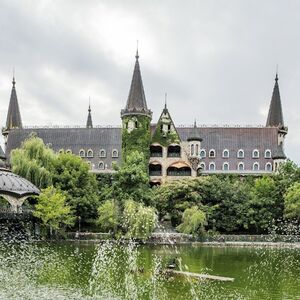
point(225, 153)
point(212, 166)
point(268, 153)
point(255, 153)
point(226, 166)
point(255, 166)
point(202, 153)
point(202, 166)
point(82, 153)
point(102, 153)
point(69, 151)
point(115, 153)
point(101, 165)
point(241, 166)
point(241, 153)
point(212, 153)
point(268, 167)
point(90, 153)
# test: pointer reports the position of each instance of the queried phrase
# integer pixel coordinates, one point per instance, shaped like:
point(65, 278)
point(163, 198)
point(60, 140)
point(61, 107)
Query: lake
point(74, 270)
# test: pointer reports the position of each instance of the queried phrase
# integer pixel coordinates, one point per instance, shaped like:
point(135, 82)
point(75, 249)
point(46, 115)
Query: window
point(202, 153)
point(197, 150)
point(212, 153)
point(268, 167)
point(241, 166)
point(136, 124)
point(255, 153)
point(212, 166)
point(101, 165)
point(241, 153)
point(268, 153)
point(90, 153)
point(169, 128)
point(69, 151)
point(61, 151)
point(226, 166)
point(82, 153)
point(102, 153)
point(90, 165)
point(192, 149)
point(202, 166)
point(255, 166)
point(115, 153)
point(225, 153)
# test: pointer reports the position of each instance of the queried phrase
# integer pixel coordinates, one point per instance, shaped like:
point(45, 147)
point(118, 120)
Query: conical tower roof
point(13, 119)
point(136, 102)
point(275, 116)
point(279, 153)
point(89, 122)
point(194, 136)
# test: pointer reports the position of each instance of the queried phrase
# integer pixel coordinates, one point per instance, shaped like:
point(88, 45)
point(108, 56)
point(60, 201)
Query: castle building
point(173, 152)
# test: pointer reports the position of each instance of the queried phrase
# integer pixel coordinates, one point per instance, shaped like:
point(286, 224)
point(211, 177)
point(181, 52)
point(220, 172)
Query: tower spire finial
point(137, 50)
point(14, 81)
point(195, 123)
point(276, 77)
point(89, 104)
point(166, 100)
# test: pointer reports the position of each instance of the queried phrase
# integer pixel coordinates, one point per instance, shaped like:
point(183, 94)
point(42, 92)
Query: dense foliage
point(53, 209)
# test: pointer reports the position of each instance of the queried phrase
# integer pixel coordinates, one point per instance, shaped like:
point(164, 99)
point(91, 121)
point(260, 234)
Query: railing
point(174, 154)
point(156, 154)
point(155, 173)
point(179, 173)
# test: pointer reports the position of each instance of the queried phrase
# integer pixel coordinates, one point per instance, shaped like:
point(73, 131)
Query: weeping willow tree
point(34, 161)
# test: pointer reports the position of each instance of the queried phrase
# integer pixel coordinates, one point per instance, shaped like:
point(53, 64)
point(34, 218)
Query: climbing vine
point(164, 138)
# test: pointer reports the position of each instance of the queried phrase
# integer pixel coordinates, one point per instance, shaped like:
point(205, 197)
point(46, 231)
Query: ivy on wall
point(165, 138)
point(138, 139)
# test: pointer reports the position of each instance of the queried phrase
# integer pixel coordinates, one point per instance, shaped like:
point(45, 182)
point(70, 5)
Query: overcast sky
point(215, 59)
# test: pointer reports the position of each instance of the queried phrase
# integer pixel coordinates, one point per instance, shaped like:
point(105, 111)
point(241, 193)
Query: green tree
point(34, 161)
point(52, 209)
point(72, 175)
point(292, 202)
point(109, 216)
point(193, 221)
point(130, 181)
point(139, 221)
point(262, 206)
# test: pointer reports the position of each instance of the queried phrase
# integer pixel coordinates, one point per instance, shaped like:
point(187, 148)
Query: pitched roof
point(13, 119)
point(275, 116)
point(89, 122)
point(136, 102)
point(194, 135)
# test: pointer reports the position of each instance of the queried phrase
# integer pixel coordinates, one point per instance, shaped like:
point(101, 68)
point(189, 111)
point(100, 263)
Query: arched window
point(255, 153)
point(89, 163)
point(115, 153)
point(212, 153)
point(82, 153)
point(197, 150)
point(241, 153)
point(268, 153)
point(174, 151)
point(202, 166)
point(90, 153)
point(241, 166)
point(101, 165)
point(268, 167)
point(156, 151)
point(212, 166)
point(202, 153)
point(225, 153)
point(255, 166)
point(61, 151)
point(155, 170)
point(192, 149)
point(102, 153)
point(225, 166)
point(69, 151)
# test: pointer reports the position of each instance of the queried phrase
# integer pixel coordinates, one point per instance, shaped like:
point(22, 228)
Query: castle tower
point(275, 119)
point(136, 118)
point(13, 119)
point(89, 122)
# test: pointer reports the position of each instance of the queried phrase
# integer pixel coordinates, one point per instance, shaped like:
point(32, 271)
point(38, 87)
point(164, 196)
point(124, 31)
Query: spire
point(275, 116)
point(13, 119)
point(136, 102)
point(89, 122)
